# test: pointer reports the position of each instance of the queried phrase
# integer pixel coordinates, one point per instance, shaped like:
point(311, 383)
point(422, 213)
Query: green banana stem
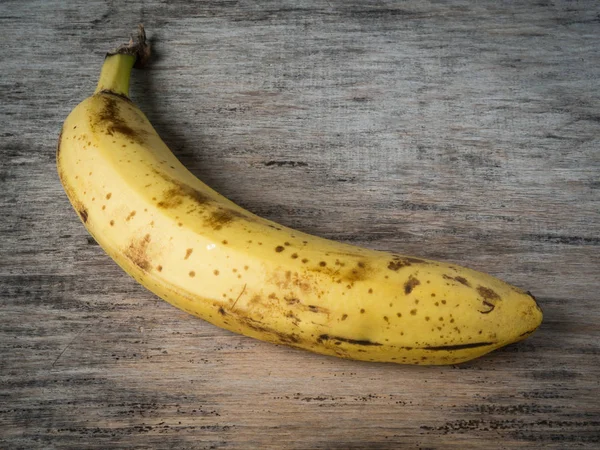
point(116, 70)
point(115, 74)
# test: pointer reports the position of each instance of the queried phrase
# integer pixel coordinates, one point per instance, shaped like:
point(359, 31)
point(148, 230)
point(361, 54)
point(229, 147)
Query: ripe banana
point(206, 255)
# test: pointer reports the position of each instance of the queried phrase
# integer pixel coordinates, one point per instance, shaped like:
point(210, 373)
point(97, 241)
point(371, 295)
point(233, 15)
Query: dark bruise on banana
point(269, 281)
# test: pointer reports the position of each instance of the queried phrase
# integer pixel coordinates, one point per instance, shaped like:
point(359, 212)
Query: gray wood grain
point(464, 131)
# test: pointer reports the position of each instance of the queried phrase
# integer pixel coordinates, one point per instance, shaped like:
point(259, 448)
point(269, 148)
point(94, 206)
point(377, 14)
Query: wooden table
point(463, 131)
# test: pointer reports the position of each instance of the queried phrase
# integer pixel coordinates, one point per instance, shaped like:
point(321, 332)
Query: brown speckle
point(175, 195)
point(413, 312)
point(322, 263)
point(188, 252)
point(489, 298)
point(397, 264)
point(171, 199)
point(221, 217)
point(279, 248)
point(112, 223)
point(294, 255)
point(326, 337)
point(130, 216)
point(370, 291)
point(463, 280)
point(403, 261)
point(345, 316)
point(362, 311)
point(487, 293)
point(192, 274)
point(224, 242)
point(110, 118)
point(459, 346)
point(136, 252)
point(83, 214)
point(216, 272)
point(410, 284)
point(304, 260)
point(159, 268)
point(318, 309)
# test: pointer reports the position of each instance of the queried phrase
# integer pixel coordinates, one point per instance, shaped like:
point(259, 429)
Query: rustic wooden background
point(464, 131)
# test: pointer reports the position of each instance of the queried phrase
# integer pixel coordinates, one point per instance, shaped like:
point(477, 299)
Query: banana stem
point(116, 70)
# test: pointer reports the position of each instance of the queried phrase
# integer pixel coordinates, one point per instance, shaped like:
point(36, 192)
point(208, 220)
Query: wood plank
point(462, 131)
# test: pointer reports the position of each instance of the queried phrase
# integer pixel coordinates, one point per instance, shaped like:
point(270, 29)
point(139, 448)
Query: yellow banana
point(211, 258)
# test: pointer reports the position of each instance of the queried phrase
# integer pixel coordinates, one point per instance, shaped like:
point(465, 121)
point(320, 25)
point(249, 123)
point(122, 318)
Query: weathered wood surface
point(464, 131)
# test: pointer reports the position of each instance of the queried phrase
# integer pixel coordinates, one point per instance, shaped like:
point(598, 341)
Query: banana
point(206, 255)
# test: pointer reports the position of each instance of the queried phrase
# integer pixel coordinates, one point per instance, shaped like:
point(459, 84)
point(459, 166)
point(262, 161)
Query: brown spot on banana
point(136, 252)
point(490, 297)
point(171, 199)
point(174, 196)
point(318, 309)
point(365, 342)
point(220, 217)
point(291, 339)
point(82, 211)
point(487, 293)
point(398, 262)
point(458, 346)
point(110, 118)
point(362, 271)
point(410, 284)
point(463, 280)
